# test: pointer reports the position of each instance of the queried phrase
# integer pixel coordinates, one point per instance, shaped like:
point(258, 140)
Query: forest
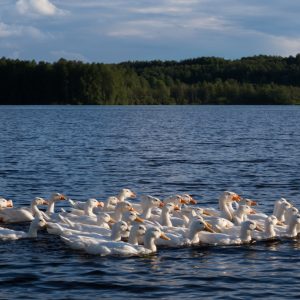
point(205, 80)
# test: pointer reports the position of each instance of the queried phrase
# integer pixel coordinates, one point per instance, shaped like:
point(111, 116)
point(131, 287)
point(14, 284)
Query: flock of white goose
point(119, 227)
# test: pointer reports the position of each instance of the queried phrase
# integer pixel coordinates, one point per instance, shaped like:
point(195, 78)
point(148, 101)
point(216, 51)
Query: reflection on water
point(95, 151)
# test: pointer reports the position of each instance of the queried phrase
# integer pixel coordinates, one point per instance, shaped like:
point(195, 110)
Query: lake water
point(91, 151)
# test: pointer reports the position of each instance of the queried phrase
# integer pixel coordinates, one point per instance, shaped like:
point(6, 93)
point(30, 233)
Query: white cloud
point(38, 7)
point(285, 45)
point(16, 31)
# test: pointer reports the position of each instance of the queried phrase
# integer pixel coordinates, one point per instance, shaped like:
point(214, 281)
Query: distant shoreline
point(257, 80)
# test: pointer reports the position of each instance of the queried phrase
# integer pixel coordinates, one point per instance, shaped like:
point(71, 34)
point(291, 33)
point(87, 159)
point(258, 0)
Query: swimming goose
point(103, 221)
point(137, 231)
point(9, 234)
point(93, 246)
point(269, 229)
point(241, 214)
point(148, 203)
point(124, 194)
point(230, 239)
point(291, 211)
point(225, 204)
point(292, 228)
point(23, 214)
point(88, 210)
point(281, 209)
point(120, 209)
point(51, 203)
point(187, 236)
point(130, 217)
point(101, 234)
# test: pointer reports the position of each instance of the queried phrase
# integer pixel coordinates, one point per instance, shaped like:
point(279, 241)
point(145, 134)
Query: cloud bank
point(118, 30)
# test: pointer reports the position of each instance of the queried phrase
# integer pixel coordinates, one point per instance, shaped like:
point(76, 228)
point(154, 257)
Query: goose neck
point(166, 218)
point(149, 243)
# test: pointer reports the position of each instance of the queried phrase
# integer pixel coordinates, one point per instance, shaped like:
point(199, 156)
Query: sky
point(112, 31)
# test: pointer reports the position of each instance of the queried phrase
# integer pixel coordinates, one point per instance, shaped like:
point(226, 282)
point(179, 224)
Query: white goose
point(148, 203)
point(120, 209)
point(23, 214)
point(87, 213)
point(227, 239)
point(269, 229)
point(125, 194)
point(9, 234)
point(185, 236)
point(55, 197)
point(241, 214)
point(137, 232)
point(101, 234)
point(103, 221)
point(93, 246)
point(292, 228)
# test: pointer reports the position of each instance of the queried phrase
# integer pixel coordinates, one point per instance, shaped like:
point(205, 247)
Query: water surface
point(160, 150)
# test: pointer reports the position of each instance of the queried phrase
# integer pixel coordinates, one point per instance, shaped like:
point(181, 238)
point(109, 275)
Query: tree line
point(206, 80)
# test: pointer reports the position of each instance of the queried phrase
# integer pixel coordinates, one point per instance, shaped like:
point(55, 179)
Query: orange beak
point(183, 201)
point(206, 213)
point(252, 203)
point(45, 202)
point(133, 195)
point(193, 201)
point(138, 219)
point(164, 237)
point(208, 227)
point(176, 207)
point(112, 221)
point(100, 204)
point(252, 212)
point(236, 197)
point(62, 197)
point(132, 209)
point(161, 205)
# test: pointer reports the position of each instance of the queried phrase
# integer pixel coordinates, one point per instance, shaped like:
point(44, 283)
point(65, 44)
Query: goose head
point(248, 202)
point(228, 196)
point(155, 233)
point(198, 224)
point(245, 209)
point(58, 197)
point(126, 193)
point(104, 218)
point(169, 207)
point(118, 229)
point(250, 225)
point(189, 199)
point(176, 199)
point(136, 232)
point(39, 201)
point(112, 200)
point(271, 220)
point(124, 206)
point(5, 203)
point(91, 203)
point(132, 216)
point(121, 226)
point(295, 219)
point(150, 202)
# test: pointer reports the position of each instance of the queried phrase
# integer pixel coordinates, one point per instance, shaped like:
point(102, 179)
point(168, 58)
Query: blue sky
point(121, 30)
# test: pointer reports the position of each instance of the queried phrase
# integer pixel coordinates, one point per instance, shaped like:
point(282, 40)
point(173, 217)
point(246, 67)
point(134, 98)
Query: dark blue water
point(203, 150)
